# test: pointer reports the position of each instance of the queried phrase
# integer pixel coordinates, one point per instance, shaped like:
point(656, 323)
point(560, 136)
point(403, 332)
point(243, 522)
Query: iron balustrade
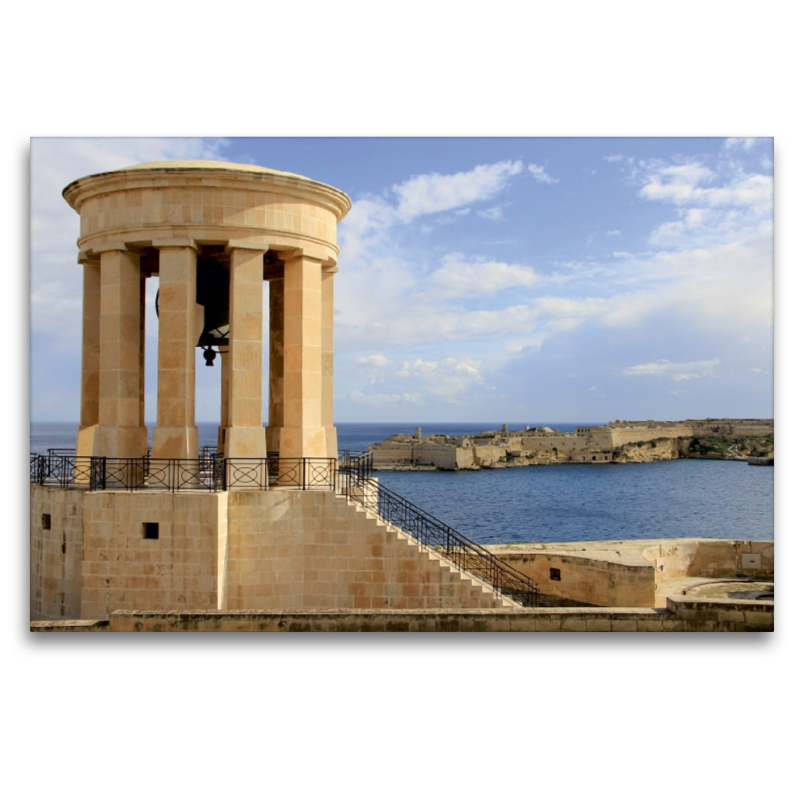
point(440, 537)
point(210, 472)
point(356, 466)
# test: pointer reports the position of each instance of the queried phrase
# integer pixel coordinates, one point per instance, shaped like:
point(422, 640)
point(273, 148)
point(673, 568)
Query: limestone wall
point(752, 429)
point(681, 615)
point(587, 580)
point(483, 455)
point(623, 436)
point(317, 550)
point(390, 453)
point(233, 550)
point(123, 570)
point(55, 553)
point(712, 558)
point(442, 456)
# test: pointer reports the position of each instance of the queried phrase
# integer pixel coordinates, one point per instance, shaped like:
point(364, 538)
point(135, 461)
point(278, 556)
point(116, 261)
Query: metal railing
point(210, 473)
point(437, 535)
point(355, 467)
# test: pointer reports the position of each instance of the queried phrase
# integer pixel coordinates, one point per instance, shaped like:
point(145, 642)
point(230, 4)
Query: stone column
point(175, 435)
point(90, 356)
point(302, 433)
point(327, 362)
point(245, 437)
point(225, 405)
point(276, 344)
point(120, 433)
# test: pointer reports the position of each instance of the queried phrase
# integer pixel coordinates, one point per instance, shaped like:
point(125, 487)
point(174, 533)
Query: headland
point(619, 442)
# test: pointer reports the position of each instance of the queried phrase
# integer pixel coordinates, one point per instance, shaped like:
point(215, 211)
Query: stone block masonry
point(679, 617)
point(111, 550)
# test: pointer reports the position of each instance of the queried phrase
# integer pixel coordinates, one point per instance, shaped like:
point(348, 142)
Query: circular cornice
point(155, 174)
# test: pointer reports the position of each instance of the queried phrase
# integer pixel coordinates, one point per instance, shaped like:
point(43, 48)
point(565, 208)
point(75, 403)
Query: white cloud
point(743, 142)
point(535, 342)
point(459, 278)
point(540, 175)
point(373, 362)
point(449, 379)
point(686, 183)
point(426, 194)
point(613, 233)
point(384, 400)
point(494, 213)
point(673, 371)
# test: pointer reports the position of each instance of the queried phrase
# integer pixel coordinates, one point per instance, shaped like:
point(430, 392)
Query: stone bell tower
point(213, 232)
point(112, 530)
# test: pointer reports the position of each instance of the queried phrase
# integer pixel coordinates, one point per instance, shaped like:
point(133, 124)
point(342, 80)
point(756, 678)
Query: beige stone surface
point(120, 431)
point(317, 550)
point(175, 435)
point(56, 553)
point(635, 572)
point(230, 550)
point(680, 617)
point(302, 433)
point(245, 438)
point(326, 366)
point(90, 357)
point(121, 569)
point(149, 219)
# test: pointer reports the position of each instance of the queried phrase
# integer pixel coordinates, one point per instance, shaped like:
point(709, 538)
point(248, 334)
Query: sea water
point(560, 502)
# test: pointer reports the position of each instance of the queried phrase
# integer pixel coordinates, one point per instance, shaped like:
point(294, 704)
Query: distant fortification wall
point(619, 441)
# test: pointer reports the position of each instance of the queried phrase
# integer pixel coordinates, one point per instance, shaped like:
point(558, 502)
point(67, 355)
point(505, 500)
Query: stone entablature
point(212, 202)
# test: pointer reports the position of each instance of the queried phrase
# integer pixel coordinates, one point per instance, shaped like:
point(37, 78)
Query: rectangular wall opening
point(150, 530)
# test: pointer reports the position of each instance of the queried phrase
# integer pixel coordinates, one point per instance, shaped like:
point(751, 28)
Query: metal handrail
point(210, 473)
point(433, 533)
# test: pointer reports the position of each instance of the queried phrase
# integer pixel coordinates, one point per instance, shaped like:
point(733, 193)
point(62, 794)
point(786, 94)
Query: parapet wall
point(592, 581)
point(680, 616)
point(711, 558)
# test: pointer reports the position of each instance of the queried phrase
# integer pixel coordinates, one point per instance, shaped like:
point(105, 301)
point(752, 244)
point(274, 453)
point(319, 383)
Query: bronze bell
point(213, 293)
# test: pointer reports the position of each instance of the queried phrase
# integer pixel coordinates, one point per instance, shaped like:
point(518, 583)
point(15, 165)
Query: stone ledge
point(710, 618)
point(70, 625)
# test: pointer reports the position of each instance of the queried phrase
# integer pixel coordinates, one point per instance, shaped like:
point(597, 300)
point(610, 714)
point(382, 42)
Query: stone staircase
point(468, 590)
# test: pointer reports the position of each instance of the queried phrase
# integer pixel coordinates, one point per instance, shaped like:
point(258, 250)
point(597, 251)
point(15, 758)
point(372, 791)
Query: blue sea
point(556, 503)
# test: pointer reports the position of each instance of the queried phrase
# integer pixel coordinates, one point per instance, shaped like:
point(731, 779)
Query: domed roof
point(289, 182)
point(229, 165)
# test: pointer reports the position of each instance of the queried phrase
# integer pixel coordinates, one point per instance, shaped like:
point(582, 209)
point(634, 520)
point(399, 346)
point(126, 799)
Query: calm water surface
point(559, 503)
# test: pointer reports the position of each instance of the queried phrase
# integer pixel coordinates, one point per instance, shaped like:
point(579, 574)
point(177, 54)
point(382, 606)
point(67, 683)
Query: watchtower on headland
point(213, 233)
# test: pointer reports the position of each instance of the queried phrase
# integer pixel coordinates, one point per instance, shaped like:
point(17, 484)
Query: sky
point(503, 279)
